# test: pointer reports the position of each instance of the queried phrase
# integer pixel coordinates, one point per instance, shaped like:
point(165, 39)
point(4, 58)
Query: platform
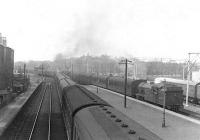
point(9, 111)
point(178, 127)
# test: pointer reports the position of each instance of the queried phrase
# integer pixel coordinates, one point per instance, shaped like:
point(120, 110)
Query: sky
point(40, 29)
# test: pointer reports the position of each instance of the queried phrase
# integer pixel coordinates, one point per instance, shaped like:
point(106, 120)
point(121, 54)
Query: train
point(20, 83)
point(88, 117)
point(194, 88)
point(140, 89)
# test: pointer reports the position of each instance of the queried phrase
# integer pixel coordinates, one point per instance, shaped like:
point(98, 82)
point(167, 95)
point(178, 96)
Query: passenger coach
point(88, 117)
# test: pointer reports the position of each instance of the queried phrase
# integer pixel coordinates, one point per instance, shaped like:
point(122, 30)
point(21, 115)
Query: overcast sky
point(39, 29)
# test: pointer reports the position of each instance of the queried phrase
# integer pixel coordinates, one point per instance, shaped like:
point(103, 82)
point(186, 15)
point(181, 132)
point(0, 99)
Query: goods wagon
point(20, 83)
point(117, 84)
point(142, 90)
point(84, 79)
point(102, 81)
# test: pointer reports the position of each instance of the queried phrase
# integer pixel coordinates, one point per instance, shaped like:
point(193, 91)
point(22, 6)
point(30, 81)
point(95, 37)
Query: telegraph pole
point(42, 72)
point(190, 65)
point(188, 78)
point(125, 83)
point(24, 75)
point(164, 102)
point(72, 71)
point(24, 70)
point(126, 61)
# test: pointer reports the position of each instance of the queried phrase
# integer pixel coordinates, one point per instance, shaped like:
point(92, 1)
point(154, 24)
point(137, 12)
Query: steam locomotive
point(194, 88)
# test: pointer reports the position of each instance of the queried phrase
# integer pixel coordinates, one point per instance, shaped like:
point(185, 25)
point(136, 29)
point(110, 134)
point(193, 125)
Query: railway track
point(57, 123)
point(40, 129)
point(40, 118)
point(189, 113)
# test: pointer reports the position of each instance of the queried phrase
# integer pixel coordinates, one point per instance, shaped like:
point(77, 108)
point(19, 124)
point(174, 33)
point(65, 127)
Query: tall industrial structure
point(6, 64)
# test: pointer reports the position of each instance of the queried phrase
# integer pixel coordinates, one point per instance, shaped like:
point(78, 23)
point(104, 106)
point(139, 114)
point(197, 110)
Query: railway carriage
point(88, 117)
point(63, 80)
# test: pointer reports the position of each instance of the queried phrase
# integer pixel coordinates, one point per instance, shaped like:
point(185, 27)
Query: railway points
point(178, 127)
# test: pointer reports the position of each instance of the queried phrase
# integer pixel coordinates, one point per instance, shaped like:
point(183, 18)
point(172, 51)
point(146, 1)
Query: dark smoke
point(89, 36)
